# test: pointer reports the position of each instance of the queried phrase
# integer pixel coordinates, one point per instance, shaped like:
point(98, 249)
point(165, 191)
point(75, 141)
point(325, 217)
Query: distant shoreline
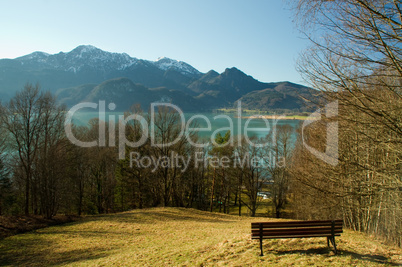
point(275, 117)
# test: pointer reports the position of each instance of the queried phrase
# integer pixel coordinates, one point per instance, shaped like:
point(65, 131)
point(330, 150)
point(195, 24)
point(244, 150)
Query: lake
point(257, 127)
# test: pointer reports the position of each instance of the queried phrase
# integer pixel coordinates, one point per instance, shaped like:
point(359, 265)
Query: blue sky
point(256, 36)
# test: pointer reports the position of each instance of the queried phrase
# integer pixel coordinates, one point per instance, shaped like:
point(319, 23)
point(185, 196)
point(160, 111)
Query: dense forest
point(43, 172)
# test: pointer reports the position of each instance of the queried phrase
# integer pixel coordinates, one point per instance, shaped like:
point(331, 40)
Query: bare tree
point(22, 118)
point(167, 142)
point(50, 163)
point(250, 167)
point(5, 183)
point(356, 60)
point(134, 182)
point(278, 155)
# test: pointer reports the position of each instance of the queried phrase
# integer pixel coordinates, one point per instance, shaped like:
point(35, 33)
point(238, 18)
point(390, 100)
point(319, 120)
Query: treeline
point(43, 172)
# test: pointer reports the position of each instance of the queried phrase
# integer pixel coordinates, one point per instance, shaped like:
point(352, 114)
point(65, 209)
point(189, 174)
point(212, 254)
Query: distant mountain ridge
point(88, 56)
point(88, 73)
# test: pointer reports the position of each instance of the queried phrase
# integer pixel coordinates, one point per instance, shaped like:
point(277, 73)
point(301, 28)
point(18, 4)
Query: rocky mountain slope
point(88, 73)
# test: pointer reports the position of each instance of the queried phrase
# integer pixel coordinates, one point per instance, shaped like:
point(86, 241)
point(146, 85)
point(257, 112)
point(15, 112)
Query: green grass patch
point(182, 237)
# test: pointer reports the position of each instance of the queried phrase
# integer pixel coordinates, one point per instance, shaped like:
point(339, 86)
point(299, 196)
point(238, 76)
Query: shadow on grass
point(368, 257)
point(37, 249)
point(173, 216)
point(153, 216)
point(379, 259)
point(27, 254)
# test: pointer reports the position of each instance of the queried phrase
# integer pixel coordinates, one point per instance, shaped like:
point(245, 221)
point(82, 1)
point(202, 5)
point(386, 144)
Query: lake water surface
point(252, 127)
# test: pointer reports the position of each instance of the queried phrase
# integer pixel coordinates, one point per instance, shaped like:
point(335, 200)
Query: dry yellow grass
point(182, 237)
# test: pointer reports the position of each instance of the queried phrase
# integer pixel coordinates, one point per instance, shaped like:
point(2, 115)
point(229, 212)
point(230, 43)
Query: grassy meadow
point(182, 237)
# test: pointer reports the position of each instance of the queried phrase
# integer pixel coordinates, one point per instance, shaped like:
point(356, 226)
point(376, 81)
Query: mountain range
point(88, 73)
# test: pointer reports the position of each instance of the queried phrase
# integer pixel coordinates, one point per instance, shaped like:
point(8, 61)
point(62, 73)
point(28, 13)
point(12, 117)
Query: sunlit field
point(182, 237)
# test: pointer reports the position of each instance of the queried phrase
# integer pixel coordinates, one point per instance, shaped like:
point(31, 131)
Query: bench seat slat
point(315, 228)
point(290, 222)
point(293, 236)
point(294, 224)
point(306, 232)
point(295, 231)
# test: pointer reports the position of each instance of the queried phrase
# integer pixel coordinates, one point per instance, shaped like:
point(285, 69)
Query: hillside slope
point(175, 236)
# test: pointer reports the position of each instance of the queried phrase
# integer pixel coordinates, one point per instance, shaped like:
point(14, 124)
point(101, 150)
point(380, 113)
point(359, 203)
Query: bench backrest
point(293, 229)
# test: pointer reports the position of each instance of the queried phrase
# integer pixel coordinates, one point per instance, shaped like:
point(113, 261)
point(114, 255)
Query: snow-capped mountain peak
point(165, 63)
point(90, 57)
point(163, 58)
point(89, 52)
point(39, 56)
point(86, 48)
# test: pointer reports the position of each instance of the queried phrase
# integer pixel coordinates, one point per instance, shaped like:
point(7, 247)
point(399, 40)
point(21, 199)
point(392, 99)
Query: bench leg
point(261, 235)
point(334, 244)
point(262, 254)
point(327, 241)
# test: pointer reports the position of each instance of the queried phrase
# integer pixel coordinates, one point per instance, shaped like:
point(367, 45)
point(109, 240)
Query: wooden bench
point(297, 229)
